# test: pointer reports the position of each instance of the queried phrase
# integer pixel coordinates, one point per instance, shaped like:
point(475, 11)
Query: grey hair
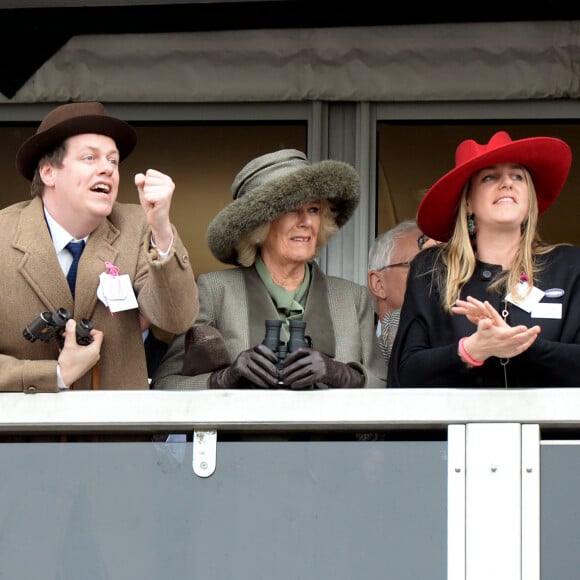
point(382, 248)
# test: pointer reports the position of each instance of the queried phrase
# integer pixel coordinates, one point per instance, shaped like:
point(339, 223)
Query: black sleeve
point(425, 349)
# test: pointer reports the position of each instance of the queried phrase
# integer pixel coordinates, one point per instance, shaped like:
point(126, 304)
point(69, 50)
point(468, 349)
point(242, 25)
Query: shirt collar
point(60, 237)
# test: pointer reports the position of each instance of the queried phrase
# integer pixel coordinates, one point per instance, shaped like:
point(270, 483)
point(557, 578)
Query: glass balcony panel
point(560, 509)
point(272, 509)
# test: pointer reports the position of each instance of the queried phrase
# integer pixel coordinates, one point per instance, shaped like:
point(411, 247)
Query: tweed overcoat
point(339, 318)
point(33, 282)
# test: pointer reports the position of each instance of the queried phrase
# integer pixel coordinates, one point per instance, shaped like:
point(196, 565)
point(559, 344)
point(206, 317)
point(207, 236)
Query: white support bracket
point(204, 452)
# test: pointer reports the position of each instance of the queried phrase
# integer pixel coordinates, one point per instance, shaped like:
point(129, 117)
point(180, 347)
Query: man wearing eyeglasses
point(390, 256)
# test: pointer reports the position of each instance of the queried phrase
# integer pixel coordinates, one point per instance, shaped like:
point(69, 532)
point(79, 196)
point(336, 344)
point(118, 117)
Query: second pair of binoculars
point(298, 339)
point(52, 324)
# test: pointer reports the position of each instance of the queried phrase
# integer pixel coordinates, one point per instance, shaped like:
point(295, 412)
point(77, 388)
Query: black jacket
point(425, 349)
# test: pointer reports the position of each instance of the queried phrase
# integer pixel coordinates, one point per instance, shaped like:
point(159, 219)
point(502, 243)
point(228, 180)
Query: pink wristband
point(464, 355)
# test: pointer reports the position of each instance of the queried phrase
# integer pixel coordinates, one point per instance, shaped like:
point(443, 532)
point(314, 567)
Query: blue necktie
point(76, 249)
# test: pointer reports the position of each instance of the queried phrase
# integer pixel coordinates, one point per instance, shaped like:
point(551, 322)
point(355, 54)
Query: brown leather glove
point(255, 367)
point(305, 367)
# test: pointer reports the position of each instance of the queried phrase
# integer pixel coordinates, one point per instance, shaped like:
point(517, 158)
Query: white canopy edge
point(442, 62)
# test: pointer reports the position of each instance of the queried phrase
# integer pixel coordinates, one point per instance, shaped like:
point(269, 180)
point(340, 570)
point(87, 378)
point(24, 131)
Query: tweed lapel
point(319, 323)
point(38, 264)
point(100, 248)
point(40, 268)
point(260, 305)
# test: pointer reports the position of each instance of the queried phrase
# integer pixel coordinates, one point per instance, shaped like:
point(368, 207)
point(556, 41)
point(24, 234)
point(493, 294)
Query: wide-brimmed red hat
point(546, 158)
point(66, 121)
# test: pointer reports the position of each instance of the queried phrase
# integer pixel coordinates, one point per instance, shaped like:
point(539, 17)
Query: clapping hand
point(476, 311)
point(494, 336)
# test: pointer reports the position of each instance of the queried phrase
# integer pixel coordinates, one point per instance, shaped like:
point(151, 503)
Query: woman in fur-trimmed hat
point(493, 305)
point(284, 210)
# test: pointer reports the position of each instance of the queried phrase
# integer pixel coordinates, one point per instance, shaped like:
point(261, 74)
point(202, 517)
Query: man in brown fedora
point(132, 262)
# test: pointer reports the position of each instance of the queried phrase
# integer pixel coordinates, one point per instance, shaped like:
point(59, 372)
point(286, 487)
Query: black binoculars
point(297, 339)
point(52, 324)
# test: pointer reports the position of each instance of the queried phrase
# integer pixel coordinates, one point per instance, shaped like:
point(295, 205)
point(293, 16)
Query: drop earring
point(471, 223)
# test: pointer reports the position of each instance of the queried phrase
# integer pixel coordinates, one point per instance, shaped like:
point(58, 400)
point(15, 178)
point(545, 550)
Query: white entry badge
point(547, 311)
point(116, 292)
point(531, 303)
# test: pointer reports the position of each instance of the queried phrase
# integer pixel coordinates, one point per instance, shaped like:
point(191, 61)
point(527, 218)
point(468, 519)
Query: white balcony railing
point(492, 449)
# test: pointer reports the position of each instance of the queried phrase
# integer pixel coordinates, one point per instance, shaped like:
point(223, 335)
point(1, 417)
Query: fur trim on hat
point(335, 181)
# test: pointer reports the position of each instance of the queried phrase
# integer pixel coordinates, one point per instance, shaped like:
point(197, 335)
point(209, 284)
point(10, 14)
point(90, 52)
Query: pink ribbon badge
point(112, 269)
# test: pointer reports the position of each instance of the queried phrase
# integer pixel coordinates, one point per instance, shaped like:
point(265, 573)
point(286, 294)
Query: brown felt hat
point(66, 121)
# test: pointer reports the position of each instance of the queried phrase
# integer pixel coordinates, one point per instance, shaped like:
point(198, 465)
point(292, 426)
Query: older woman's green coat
point(338, 313)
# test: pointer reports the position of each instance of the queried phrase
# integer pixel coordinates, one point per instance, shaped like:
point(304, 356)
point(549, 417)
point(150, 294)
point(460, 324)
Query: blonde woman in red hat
point(284, 210)
point(494, 305)
point(132, 262)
